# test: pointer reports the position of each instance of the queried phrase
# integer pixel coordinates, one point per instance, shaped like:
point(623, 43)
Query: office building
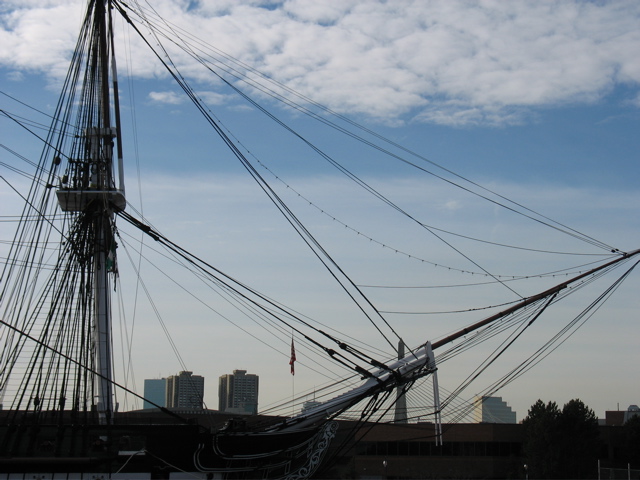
point(155, 391)
point(492, 410)
point(620, 417)
point(185, 390)
point(238, 393)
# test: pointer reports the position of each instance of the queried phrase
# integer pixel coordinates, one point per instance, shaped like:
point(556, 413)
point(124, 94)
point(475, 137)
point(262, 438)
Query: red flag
point(293, 358)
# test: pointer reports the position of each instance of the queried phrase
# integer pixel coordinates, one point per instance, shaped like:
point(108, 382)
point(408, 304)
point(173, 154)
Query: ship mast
point(90, 191)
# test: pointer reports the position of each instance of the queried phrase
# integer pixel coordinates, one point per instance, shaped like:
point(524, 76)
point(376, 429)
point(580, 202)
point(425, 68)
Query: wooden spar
point(527, 301)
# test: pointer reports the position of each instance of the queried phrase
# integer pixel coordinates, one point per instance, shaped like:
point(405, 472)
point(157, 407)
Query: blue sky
point(538, 101)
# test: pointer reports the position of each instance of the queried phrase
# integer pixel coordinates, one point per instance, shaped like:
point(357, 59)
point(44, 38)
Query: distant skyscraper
point(238, 393)
point(155, 391)
point(493, 410)
point(185, 390)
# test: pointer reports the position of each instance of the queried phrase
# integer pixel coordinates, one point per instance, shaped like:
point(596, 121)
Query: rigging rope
point(215, 273)
point(174, 32)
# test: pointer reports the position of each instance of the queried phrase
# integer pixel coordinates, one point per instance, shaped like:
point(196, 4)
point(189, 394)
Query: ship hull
point(158, 451)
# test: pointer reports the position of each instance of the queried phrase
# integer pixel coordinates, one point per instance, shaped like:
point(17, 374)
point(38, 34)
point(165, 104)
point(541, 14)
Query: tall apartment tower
point(185, 390)
point(492, 410)
point(238, 393)
point(155, 390)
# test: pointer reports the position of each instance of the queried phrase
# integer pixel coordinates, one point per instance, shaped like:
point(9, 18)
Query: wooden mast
point(92, 192)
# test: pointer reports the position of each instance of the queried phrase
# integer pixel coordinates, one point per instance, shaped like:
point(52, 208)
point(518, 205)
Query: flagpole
point(293, 396)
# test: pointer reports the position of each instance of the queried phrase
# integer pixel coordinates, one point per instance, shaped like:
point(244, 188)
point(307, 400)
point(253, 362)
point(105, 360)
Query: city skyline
point(492, 409)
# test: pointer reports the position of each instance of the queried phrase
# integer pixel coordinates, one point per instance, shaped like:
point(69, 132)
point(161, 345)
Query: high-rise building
point(492, 410)
point(185, 390)
point(155, 391)
point(238, 393)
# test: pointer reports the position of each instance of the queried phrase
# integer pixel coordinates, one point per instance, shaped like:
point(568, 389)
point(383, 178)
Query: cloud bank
point(453, 62)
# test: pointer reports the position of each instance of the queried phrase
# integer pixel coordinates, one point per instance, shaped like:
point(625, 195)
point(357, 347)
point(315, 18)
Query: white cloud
point(15, 76)
point(451, 62)
point(170, 98)
point(452, 205)
point(39, 36)
point(212, 98)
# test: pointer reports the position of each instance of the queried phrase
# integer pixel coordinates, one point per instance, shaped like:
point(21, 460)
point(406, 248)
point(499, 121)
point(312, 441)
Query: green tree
point(632, 440)
point(580, 443)
point(561, 444)
point(541, 440)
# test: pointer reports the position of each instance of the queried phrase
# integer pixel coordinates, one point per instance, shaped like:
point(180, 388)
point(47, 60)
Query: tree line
point(566, 443)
